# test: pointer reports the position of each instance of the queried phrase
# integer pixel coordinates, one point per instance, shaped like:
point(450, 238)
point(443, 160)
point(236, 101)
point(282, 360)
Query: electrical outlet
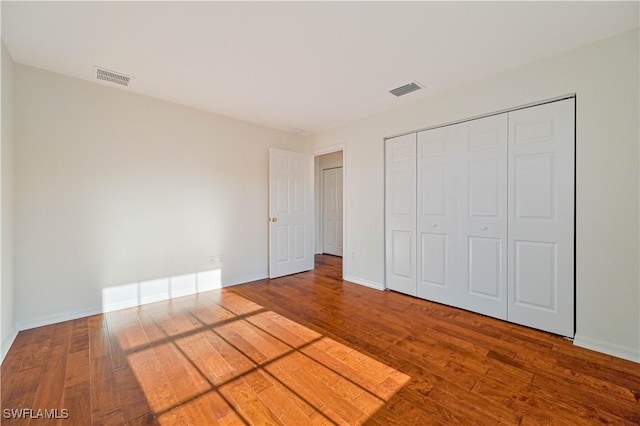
point(221, 259)
point(212, 260)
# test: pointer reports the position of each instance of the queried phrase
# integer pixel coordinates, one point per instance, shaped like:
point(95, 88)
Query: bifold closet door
point(437, 213)
point(482, 215)
point(400, 213)
point(541, 217)
point(462, 215)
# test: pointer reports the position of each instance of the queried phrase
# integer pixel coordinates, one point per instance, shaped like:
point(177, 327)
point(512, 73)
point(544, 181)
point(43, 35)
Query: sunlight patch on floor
point(239, 362)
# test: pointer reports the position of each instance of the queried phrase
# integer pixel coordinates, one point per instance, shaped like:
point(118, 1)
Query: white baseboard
point(631, 354)
point(6, 344)
point(54, 318)
point(246, 279)
point(366, 283)
point(123, 304)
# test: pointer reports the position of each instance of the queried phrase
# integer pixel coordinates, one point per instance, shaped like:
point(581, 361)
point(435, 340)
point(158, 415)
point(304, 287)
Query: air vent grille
point(407, 88)
point(112, 77)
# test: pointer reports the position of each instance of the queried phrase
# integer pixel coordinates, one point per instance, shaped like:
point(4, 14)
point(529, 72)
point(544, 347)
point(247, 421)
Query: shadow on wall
point(143, 292)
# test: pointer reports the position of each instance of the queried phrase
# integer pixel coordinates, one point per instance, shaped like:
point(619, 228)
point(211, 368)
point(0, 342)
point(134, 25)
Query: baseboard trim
point(6, 344)
point(55, 318)
point(613, 349)
point(246, 279)
point(366, 283)
point(125, 304)
point(122, 305)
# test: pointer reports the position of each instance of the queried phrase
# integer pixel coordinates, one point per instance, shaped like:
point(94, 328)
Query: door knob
point(484, 227)
point(274, 219)
point(433, 225)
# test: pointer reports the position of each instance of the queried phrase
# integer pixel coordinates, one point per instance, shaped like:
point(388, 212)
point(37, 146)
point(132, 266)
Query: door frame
point(328, 150)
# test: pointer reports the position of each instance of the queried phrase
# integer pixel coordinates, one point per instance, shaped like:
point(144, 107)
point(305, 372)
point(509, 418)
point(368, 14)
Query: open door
point(290, 213)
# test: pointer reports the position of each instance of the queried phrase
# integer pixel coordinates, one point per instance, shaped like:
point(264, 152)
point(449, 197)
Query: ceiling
point(300, 66)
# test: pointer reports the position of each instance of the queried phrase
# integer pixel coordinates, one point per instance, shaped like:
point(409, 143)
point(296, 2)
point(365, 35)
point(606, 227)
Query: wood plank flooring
point(310, 349)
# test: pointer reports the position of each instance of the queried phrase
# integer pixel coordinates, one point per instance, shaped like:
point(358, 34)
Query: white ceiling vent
point(113, 77)
point(407, 88)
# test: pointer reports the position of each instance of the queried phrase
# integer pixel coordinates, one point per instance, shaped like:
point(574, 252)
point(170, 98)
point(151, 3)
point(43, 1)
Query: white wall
point(7, 319)
point(605, 77)
point(120, 195)
point(322, 162)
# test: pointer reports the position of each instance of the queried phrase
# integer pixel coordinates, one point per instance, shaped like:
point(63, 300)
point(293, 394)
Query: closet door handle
point(484, 227)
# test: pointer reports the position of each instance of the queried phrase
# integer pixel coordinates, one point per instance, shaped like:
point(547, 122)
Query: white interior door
point(482, 215)
point(541, 217)
point(332, 211)
point(437, 215)
point(290, 213)
point(400, 214)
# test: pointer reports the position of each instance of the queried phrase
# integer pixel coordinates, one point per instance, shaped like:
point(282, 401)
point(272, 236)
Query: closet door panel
point(535, 271)
point(436, 215)
point(433, 268)
point(485, 268)
point(400, 214)
point(484, 187)
point(402, 254)
point(482, 215)
point(541, 217)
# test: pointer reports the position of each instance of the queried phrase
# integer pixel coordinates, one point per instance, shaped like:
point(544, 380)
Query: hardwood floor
point(310, 349)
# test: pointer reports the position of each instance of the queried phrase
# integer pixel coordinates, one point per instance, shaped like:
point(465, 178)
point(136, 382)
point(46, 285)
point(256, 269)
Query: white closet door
point(541, 217)
point(436, 220)
point(400, 213)
point(482, 218)
point(332, 211)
